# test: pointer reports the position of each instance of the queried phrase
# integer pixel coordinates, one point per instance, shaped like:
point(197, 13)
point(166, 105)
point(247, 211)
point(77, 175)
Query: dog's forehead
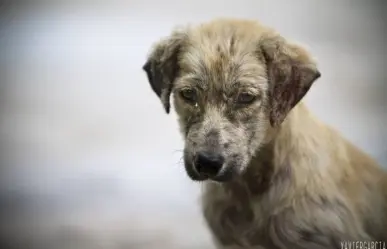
point(224, 59)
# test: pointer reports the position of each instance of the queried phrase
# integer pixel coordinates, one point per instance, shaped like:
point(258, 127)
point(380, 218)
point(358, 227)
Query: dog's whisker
point(177, 151)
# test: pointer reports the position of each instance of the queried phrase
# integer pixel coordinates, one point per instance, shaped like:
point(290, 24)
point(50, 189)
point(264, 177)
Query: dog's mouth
point(226, 175)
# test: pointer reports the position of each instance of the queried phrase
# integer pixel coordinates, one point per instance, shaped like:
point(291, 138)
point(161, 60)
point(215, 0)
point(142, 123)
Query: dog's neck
point(258, 177)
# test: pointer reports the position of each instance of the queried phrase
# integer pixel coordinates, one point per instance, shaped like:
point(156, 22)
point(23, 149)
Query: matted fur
point(289, 180)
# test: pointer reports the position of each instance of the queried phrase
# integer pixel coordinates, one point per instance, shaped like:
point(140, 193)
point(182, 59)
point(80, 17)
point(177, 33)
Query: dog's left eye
point(246, 98)
point(188, 95)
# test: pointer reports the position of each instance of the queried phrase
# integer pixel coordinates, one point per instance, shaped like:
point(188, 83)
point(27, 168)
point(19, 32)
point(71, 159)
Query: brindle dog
point(275, 176)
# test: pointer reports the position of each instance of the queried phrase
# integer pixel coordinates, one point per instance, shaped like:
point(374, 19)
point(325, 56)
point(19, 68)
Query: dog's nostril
point(209, 163)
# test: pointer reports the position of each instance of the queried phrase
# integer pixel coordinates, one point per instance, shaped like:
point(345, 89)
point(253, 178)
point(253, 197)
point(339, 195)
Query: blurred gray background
point(89, 159)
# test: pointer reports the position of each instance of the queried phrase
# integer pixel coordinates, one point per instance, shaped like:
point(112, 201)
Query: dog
point(274, 175)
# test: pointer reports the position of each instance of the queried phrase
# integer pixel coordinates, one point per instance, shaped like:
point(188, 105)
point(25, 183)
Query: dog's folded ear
point(291, 72)
point(162, 66)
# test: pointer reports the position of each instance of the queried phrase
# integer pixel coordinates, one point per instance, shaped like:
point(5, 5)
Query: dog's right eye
point(246, 98)
point(188, 95)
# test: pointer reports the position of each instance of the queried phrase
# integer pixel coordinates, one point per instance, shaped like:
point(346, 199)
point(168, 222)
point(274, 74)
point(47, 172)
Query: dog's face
point(232, 83)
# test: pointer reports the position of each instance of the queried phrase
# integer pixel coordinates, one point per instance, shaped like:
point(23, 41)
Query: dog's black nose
point(208, 164)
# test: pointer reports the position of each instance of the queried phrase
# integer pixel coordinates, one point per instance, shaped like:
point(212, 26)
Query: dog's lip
point(199, 177)
point(221, 178)
point(225, 176)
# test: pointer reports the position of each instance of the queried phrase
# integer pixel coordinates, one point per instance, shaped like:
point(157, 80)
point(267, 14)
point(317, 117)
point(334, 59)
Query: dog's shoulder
point(327, 164)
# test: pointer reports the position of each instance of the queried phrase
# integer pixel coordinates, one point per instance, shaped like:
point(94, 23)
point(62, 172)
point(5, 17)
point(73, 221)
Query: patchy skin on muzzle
point(221, 127)
point(216, 134)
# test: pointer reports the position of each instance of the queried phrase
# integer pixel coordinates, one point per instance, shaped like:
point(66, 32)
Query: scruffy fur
point(288, 180)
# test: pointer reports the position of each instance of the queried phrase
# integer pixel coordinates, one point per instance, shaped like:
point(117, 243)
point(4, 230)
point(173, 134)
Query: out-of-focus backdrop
point(89, 159)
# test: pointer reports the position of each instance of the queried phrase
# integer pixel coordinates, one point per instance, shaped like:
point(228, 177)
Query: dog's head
point(232, 82)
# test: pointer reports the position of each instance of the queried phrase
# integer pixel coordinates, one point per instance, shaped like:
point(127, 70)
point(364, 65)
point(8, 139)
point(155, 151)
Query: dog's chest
point(234, 221)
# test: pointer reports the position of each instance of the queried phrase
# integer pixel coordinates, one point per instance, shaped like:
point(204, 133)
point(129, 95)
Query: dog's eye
point(246, 98)
point(188, 95)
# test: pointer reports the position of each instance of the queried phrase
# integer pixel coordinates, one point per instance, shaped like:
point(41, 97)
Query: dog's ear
point(162, 66)
point(291, 72)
